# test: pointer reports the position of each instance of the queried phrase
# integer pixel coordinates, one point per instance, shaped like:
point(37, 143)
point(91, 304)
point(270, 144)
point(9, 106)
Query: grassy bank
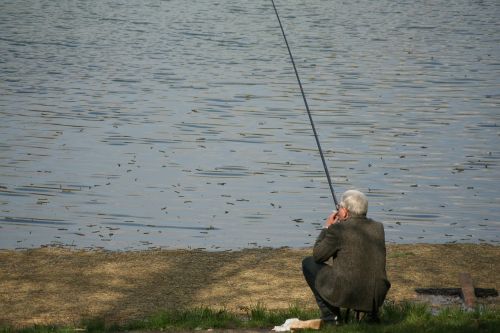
point(63, 287)
point(402, 317)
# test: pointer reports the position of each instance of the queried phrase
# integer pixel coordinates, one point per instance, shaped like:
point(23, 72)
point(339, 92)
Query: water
point(138, 124)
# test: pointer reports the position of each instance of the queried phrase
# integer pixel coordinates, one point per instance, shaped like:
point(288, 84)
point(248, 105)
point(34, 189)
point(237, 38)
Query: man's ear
point(347, 213)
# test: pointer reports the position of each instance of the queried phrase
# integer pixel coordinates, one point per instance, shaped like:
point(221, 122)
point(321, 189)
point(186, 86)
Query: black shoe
point(331, 322)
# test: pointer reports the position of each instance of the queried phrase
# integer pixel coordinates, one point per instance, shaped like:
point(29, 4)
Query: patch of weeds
point(208, 318)
point(259, 313)
point(415, 317)
point(189, 319)
point(296, 311)
point(259, 316)
point(478, 320)
point(37, 329)
point(395, 317)
point(92, 325)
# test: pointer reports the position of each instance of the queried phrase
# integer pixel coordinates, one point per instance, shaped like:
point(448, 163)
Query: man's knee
point(310, 267)
point(307, 262)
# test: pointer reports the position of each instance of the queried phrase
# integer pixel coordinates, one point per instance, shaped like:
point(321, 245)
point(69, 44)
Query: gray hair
point(355, 202)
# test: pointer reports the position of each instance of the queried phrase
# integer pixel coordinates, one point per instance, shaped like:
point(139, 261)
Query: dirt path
point(62, 286)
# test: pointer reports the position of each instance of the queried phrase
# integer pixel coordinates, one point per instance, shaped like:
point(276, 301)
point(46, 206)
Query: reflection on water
point(136, 124)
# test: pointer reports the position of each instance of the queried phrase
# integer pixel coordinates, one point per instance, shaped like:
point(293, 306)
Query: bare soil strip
point(63, 286)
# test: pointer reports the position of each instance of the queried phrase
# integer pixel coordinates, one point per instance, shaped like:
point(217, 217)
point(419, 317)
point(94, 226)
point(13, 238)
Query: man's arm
point(326, 245)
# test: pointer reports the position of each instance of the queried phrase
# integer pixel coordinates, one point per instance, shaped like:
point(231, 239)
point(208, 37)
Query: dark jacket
point(357, 279)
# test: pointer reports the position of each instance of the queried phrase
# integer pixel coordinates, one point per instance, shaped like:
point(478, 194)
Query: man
point(357, 277)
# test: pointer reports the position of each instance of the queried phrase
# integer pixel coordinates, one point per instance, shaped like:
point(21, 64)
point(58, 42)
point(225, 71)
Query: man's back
point(357, 278)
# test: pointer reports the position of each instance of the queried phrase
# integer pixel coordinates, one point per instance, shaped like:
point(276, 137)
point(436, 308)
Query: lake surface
point(174, 124)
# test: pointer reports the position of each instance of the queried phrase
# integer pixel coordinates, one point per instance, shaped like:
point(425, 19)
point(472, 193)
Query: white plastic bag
point(286, 326)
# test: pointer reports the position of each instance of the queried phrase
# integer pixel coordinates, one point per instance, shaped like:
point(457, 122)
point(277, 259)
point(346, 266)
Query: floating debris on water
point(187, 134)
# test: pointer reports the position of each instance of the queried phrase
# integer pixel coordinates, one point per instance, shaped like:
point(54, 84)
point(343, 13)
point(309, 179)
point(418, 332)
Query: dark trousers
point(311, 268)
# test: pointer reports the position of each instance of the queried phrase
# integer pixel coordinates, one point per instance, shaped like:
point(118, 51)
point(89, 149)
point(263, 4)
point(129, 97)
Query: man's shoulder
point(364, 222)
point(363, 219)
point(355, 222)
point(370, 220)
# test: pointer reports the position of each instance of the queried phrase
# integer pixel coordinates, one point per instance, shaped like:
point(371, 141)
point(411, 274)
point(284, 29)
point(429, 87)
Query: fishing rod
point(307, 108)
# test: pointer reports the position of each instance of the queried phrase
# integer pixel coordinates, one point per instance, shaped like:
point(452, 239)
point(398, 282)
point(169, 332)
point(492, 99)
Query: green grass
point(402, 317)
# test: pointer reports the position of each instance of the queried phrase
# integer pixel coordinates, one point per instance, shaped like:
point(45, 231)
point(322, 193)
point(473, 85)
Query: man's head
point(355, 202)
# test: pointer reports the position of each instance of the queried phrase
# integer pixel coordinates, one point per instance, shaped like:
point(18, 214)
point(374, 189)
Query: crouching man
point(357, 277)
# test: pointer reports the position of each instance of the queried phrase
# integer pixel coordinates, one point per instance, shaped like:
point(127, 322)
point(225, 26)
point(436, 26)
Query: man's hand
point(332, 219)
point(337, 216)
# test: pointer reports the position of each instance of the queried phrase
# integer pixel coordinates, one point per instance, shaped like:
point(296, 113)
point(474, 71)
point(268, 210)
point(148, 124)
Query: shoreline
point(216, 249)
point(52, 285)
